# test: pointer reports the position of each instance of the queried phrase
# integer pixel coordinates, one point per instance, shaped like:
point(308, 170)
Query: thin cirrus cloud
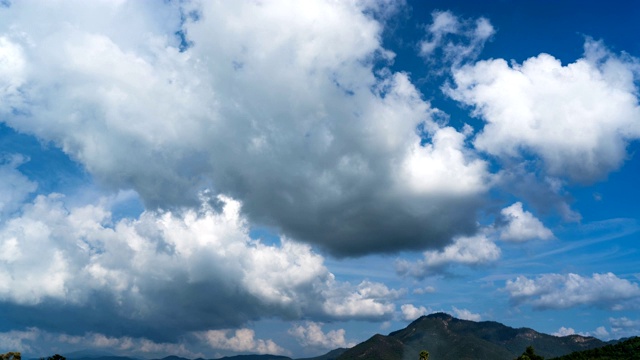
point(457, 40)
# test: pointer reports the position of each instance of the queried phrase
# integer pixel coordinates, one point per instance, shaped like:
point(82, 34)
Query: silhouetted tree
point(54, 357)
point(424, 355)
point(529, 354)
point(11, 356)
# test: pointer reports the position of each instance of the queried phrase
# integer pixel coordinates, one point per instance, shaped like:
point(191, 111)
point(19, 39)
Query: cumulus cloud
point(14, 186)
point(521, 225)
point(368, 300)
point(139, 346)
point(458, 40)
point(275, 104)
point(466, 314)
point(310, 334)
point(558, 291)
point(576, 118)
point(411, 312)
point(17, 340)
point(191, 345)
point(164, 273)
point(563, 331)
point(241, 340)
point(601, 332)
point(622, 327)
point(471, 251)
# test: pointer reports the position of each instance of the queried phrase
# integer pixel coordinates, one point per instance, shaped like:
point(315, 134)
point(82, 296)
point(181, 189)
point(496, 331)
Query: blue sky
point(216, 178)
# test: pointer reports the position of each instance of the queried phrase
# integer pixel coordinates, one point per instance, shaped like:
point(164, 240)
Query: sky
point(211, 178)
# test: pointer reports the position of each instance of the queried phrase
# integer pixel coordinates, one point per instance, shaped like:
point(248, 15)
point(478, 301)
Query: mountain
point(255, 357)
point(625, 350)
point(331, 355)
point(446, 337)
point(87, 354)
point(98, 357)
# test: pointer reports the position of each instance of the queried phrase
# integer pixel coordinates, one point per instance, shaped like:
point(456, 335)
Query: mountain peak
point(439, 315)
point(446, 337)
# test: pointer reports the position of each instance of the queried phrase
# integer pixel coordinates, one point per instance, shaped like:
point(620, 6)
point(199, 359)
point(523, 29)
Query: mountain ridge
point(444, 336)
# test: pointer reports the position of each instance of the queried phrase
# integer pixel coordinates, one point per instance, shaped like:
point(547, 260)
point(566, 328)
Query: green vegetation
point(529, 354)
point(424, 355)
point(626, 350)
point(10, 356)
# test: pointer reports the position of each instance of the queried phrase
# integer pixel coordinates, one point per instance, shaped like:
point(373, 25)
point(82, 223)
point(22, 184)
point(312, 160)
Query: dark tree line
point(15, 355)
point(625, 350)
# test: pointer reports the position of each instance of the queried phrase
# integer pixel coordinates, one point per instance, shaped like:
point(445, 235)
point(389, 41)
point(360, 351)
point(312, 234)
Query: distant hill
point(98, 357)
point(446, 337)
point(624, 350)
point(86, 355)
point(255, 357)
point(331, 355)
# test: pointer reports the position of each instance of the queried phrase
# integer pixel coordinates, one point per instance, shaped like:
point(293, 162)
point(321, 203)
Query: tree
point(529, 354)
point(10, 356)
point(56, 357)
point(424, 355)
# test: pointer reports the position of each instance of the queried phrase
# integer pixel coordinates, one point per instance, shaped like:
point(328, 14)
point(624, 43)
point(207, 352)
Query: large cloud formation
point(164, 273)
point(277, 104)
point(225, 115)
point(577, 118)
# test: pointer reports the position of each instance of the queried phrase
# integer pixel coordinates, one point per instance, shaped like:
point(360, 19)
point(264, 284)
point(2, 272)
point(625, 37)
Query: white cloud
point(12, 72)
point(272, 103)
point(445, 167)
point(425, 290)
point(557, 291)
point(601, 332)
point(242, 340)
point(470, 251)
point(311, 335)
point(458, 39)
point(17, 340)
point(184, 262)
point(411, 312)
point(522, 225)
point(624, 322)
point(622, 327)
point(563, 331)
point(466, 314)
point(367, 301)
point(14, 186)
point(140, 346)
point(577, 118)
